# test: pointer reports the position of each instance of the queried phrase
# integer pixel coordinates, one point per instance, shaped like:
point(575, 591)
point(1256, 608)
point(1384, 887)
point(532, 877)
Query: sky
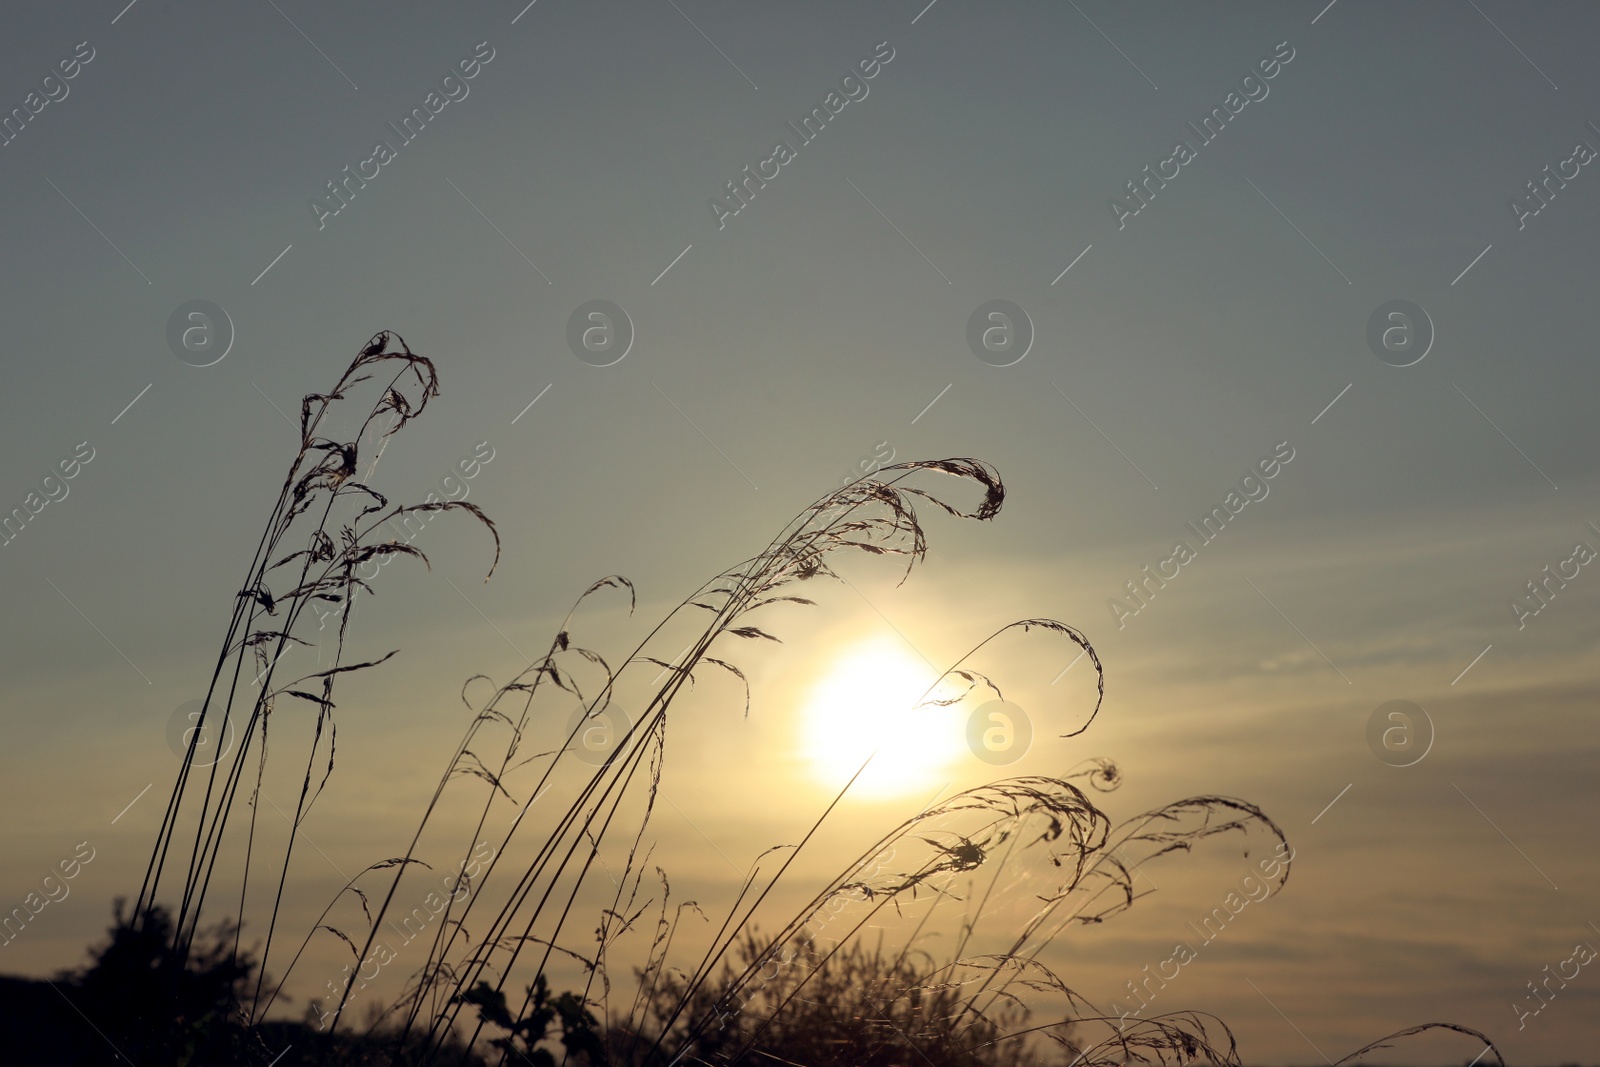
point(1183, 337)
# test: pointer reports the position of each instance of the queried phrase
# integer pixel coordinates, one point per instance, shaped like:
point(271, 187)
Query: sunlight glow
point(864, 703)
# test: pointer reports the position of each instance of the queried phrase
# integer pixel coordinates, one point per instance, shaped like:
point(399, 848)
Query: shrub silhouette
point(160, 1008)
point(580, 1034)
point(861, 1006)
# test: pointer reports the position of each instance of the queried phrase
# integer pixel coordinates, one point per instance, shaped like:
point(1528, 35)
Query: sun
point(865, 704)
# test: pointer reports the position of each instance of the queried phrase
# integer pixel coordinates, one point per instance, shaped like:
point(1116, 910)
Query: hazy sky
point(1174, 349)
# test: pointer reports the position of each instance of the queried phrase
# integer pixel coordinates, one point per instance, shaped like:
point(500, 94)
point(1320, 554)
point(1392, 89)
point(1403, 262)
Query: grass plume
point(1026, 859)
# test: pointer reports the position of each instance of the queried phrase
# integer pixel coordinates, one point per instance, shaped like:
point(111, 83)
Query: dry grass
point(787, 997)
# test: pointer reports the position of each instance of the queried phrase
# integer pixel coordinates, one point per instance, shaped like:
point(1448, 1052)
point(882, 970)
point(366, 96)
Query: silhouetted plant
point(838, 1005)
point(579, 1029)
point(163, 1007)
point(869, 1007)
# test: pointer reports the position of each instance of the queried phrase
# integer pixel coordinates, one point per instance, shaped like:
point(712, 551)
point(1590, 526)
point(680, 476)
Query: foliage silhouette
point(525, 873)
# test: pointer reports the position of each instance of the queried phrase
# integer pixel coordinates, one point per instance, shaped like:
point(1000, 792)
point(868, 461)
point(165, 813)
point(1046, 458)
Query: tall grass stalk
point(1035, 838)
